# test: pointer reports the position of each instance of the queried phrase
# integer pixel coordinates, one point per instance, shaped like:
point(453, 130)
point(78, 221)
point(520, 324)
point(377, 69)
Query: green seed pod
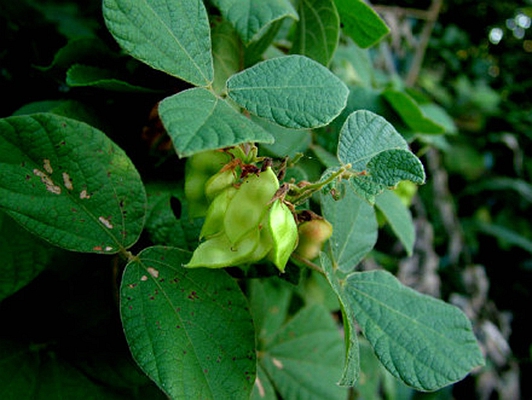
point(218, 182)
point(198, 170)
point(195, 194)
point(312, 235)
point(214, 220)
point(219, 252)
point(283, 231)
point(248, 206)
point(265, 242)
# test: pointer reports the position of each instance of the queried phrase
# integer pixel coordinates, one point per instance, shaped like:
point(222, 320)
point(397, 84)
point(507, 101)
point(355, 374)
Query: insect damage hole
point(48, 182)
point(106, 222)
point(47, 166)
point(67, 181)
point(153, 272)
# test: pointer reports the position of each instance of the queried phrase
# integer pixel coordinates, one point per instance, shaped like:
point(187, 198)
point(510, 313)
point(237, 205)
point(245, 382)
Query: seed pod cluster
point(245, 222)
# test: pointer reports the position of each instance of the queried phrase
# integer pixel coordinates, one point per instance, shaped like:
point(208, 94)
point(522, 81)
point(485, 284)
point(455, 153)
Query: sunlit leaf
point(292, 91)
point(171, 36)
point(197, 120)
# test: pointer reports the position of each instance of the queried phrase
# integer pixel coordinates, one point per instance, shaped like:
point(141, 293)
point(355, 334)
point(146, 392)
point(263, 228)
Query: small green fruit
point(312, 235)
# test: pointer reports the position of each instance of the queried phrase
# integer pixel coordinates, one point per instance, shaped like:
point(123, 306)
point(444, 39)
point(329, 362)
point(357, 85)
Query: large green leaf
point(304, 359)
point(172, 36)
point(197, 120)
point(317, 31)
point(423, 341)
point(355, 227)
point(361, 22)
point(292, 91)
point(68, 183)
point(189, 330)
point(23, 256)
point(252, 17)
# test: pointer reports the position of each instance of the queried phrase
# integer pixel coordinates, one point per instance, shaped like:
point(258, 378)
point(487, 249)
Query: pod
point(284, 234)
point(249, 204)
point(219, 252)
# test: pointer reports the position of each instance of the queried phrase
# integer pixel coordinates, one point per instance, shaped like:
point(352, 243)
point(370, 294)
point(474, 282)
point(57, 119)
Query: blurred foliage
point(485, 86)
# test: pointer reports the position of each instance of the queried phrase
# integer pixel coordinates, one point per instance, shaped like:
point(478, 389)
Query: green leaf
point(317, 31)
point(163, 225)
point(170, 36)
point(304, 359)
point(26, 373)
point(81, 50)
point(287, 142)
point(263, 389)
point(363, 136)
point(351, 370)
point(361, 22)
point(227, 54)
point(254, 52)
point(506, 235)
point(355, 228)
point(66, 108)
point(68, 183)
point(371, 144)
point(390, 167)
point(197, 120)
point(292, 91)
point(189, 330)
point(423, 341)
point(87, 76)
point(269, 302)
point(411, 113)
point(399, 218)
point(252, 17)
point(23, 256)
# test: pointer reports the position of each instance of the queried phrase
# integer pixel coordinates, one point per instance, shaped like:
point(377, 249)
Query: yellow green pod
point(283, 231)
point(219, 252)
point(249, 204)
